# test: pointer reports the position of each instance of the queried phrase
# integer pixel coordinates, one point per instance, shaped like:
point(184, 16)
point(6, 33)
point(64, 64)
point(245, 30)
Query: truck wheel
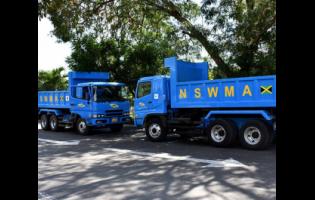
point(54, 124)
point(44, 122)
point(82, 127)
point(155, 130)
point(116, 128)
point(222, 133)
point(255, 134)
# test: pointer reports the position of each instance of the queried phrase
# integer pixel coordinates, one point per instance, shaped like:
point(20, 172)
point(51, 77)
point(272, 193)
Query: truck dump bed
point(61, 99)
point(53, 99)
point(190, 88)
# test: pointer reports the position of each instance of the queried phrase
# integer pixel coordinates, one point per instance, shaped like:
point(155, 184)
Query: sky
point(50, 53)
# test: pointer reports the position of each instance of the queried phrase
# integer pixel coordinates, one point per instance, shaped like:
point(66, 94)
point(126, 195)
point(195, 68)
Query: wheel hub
point(252, 135)
point(53, 123)
point(82, 126)
point(218, 133)
point(155, 130)
point(43, 121)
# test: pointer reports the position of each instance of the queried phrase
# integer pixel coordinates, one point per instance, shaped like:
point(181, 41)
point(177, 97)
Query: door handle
point(71, 104)
point(149, 101)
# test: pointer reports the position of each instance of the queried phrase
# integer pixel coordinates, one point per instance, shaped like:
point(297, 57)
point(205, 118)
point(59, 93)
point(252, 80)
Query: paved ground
point(125, 165)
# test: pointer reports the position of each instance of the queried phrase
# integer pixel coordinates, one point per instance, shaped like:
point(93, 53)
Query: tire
point(82, 127)
point(44, 122)
point(116, 128)
point(256, 135)
point(53, 122)
point(222, 133)
point(155, 130)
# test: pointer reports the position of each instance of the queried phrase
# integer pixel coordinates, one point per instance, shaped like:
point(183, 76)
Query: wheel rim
point(218, 133)
point(252, 135)
point(155, 130)
point(43, 121)
point(53, 123)
point(82, 126)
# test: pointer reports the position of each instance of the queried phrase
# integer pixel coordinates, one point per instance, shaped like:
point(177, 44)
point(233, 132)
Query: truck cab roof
point(153, 77)
point(101, 84)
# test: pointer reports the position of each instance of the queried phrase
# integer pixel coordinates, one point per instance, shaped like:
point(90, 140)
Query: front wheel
point(82, 127)
point(44, 122)
point(155, 130)
point(256, 134)
point(116, 128)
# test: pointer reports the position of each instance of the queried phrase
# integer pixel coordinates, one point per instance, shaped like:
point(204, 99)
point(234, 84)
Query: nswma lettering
point(213, 92)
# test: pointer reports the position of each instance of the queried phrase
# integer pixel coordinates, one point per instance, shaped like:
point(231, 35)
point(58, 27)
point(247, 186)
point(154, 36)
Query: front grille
point(110, 113)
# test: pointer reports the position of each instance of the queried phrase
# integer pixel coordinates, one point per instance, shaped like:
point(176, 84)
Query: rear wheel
point(155, 130)
point(82, 127)
point(116, 128)
point(44, 122)
point(256, 134)
point(222, 133)
point(54, 124)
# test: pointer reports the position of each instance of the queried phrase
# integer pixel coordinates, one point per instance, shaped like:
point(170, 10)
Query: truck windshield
point(109, 93)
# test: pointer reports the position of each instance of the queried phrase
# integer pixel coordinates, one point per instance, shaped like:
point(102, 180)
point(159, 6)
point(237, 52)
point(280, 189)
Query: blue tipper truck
point(90, 102)
point(224, 110)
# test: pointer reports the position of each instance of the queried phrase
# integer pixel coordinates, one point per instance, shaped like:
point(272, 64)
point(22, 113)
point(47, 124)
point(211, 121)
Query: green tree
point(236, 37)
point(126, 62)
point(245, 32)
point(52, 80)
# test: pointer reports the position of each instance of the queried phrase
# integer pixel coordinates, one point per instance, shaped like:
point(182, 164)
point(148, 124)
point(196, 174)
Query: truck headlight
point(98, 115)
point(126, 113)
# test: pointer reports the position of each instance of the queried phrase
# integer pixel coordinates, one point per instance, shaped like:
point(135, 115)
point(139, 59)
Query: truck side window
point(144, 89)
point(85, 92)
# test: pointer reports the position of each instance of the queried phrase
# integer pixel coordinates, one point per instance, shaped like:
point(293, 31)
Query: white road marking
point(210, 163)
point(44, 196)
point(73, 142)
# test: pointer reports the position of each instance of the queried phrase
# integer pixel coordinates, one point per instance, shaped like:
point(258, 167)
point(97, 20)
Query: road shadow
point(125, 176)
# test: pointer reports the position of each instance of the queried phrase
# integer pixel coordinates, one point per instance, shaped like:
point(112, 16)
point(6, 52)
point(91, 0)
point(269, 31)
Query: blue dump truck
point(90, 102)
point(224, 110)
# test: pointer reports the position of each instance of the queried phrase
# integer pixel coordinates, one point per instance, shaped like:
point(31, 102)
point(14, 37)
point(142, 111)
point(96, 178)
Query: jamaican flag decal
point(266, 89)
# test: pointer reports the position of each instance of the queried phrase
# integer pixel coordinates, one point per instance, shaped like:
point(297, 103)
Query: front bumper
point(103, 122)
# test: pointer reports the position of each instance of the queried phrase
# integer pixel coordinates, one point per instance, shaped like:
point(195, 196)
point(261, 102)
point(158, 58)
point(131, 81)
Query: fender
point(50, 111)
point(265, 114)
point(157, 115)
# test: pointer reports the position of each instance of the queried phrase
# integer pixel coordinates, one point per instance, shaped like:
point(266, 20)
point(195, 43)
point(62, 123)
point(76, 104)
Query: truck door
point(80, 101)
point(150, 99)
point(143, 100)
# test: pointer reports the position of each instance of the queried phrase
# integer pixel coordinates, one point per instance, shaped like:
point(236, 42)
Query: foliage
point(245, 33)
point(239, 36)
point(125, 62)
point(52, 80)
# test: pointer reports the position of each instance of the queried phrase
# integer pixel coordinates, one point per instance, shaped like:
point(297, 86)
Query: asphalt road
point(125, 165)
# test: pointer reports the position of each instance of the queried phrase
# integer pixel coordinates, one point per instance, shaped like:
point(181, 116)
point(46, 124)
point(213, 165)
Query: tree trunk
point(213, 51)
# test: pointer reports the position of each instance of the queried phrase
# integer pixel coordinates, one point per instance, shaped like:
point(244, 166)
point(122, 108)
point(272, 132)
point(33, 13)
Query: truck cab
point(101, 104)
point(152, 97)
point(91, 101)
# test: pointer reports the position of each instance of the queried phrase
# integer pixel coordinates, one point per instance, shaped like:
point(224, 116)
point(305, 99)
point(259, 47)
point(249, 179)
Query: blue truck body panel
point(54, 99)
point(65, 103)
point(190, 88)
